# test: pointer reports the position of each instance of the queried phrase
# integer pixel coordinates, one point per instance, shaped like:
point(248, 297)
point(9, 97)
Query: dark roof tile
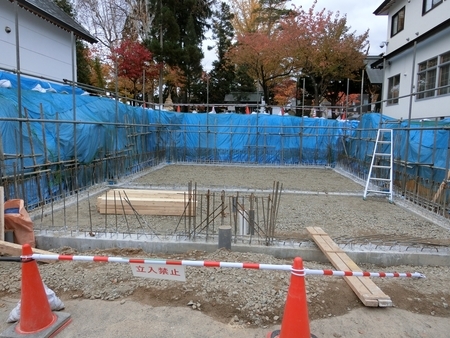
point(50, 11)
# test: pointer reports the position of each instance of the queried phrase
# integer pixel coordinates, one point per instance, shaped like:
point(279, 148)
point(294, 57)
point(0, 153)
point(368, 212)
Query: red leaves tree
point(323, 48)
point(133, 59)
point(265, 58)
point(317, 44)
point(285, 90)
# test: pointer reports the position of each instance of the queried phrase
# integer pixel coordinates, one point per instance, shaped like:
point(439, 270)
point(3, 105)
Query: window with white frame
point(393, 89)
point(398, 22)
point(428, 5)
point(426, 78)
point(432, 75)
point(444, 74)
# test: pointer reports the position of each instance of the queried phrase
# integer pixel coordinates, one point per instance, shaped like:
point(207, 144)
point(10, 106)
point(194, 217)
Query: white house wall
point(45, 49)
point(402, 64)
point(415, 22)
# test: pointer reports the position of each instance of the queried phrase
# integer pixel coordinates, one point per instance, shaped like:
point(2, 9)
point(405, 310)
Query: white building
point(417, 58)
point(45, 35)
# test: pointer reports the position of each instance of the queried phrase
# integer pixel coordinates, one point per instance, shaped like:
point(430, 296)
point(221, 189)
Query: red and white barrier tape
point(214, 264)
point(357, 273)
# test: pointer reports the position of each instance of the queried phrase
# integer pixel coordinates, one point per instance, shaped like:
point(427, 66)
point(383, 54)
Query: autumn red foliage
point(312, 43)
point(132, 59)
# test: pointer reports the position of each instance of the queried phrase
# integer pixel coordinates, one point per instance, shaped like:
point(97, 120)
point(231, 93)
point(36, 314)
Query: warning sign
point(159, 271)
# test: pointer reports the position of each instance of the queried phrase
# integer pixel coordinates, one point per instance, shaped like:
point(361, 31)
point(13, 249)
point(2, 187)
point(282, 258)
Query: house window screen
point(398, 22)
point(444, 74)
point(428, 5)
point(434, 74)
point(393, 89)
point(426, 81)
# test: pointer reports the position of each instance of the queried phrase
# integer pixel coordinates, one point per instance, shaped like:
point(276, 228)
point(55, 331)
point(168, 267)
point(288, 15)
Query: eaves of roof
point(383, 9)
point(49, 11)
point(410, 44)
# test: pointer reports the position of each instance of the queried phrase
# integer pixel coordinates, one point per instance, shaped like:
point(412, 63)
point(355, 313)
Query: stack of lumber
point(366, 290)
point(145, 202)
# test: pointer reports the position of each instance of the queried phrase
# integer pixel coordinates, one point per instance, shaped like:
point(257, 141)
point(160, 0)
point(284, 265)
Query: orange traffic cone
point(295, 322)
point(36, 317)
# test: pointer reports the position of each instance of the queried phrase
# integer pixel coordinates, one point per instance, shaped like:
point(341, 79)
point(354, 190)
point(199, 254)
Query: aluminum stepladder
point(382, 162)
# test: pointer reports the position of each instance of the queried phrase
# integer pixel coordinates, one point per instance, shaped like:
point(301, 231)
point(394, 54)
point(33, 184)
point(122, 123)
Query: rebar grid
point(42, 178)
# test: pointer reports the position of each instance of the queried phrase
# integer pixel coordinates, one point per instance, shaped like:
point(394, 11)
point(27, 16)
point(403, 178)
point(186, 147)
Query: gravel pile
point(255, 297)
point(240, 296)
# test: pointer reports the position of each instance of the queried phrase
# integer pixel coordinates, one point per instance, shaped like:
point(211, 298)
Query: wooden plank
point(438, 193)
point(145, 193)
point(127, 208)
point(145, 212)
point(371, 294)
point(134, 201)
point(113, 207)
point(118, 196)
point(148, 191)
point(155, 209)
point(13, 249)
point(316, 231)
point(366, 290)
point(323, 243)
point(358, 284)
point(161, 211)
point(141, 207)
point(374, 290)
point(144, 202)
point(138, 203)
point(330, 244)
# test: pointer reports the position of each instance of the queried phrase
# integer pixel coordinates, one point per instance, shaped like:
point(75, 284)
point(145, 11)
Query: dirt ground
point(104, 300)
point(130, 319)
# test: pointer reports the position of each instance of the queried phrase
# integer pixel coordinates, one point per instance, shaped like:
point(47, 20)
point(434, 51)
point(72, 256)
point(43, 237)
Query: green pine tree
point(182, 26)
point(222, 75)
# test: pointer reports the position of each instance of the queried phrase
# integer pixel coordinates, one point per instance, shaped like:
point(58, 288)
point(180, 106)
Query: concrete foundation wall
point(307, 251)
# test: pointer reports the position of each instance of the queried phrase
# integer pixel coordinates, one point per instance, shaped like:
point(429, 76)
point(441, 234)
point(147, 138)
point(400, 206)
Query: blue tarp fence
point(50, 130)
point(98, 130)
point(420, 147)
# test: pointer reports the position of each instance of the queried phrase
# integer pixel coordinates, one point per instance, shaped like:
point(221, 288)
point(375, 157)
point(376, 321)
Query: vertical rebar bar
point(222, 212)
point(208, 201)
point(194, 205)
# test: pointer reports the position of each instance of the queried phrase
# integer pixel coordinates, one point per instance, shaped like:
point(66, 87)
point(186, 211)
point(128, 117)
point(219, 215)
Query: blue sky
point(360, 17)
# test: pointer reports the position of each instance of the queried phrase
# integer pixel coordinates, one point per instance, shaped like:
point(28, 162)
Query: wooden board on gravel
point(13, 249)
point(145, 202)
point(366, 290)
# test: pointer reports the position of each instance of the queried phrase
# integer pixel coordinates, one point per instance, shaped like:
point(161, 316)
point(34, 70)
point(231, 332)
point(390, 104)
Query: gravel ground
point(253, 298)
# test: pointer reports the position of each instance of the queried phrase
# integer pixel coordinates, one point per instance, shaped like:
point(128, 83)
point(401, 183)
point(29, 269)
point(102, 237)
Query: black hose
point(15, 259)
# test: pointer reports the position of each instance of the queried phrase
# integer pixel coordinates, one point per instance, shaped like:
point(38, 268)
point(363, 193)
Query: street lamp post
point(160, 89)
point(207, 92)
point(143, 88)
point(144, 66)
point(303, 98)
point(346, 103)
